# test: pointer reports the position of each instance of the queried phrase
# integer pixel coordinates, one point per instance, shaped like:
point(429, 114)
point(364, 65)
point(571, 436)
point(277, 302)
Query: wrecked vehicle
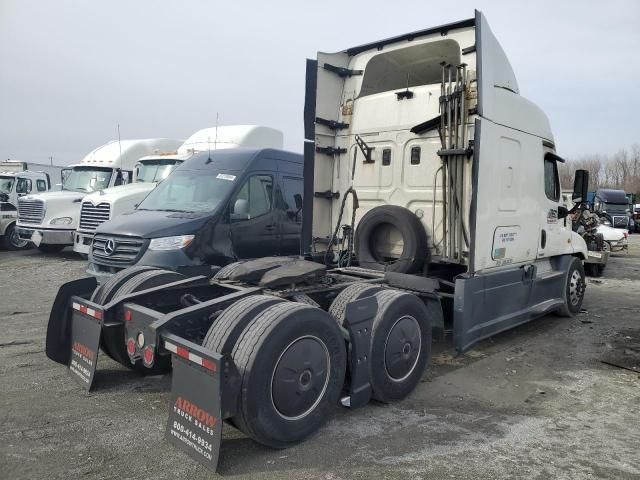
point(586, 224)
point(431, 203)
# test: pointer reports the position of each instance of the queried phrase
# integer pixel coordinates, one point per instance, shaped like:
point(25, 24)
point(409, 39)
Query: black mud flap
point(359, 319)
point(86, 324)
point(195, 410)
point(58, 343)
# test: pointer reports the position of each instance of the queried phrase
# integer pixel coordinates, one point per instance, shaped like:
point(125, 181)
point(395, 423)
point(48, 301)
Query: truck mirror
point(563, 212)
point(580, 186)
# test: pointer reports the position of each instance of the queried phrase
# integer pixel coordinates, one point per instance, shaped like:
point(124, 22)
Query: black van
point(213, 209)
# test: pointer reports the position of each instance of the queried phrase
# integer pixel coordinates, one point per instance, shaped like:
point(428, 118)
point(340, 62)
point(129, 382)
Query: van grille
point(620, 222)
point(30, 211)
point(93, 215)
point(126, 250)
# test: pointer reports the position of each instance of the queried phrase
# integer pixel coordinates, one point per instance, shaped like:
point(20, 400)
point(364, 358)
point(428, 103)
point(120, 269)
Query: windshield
point(615, 207)
point(87, 179)
point(6, 184)
point(154, 171)
point(190, 191)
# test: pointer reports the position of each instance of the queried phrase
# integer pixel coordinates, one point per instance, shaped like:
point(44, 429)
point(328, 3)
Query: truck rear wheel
point(103, 294)
point(574, 287)
point(292, 360)
point(400, 345)
point(224, 332)
point(353, 292)
point(114, 342)
point(226, 271)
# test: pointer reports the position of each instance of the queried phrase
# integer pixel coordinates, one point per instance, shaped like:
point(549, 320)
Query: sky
point(72, 71)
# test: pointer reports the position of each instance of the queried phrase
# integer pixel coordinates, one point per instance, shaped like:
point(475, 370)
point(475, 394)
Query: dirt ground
point(535, 402)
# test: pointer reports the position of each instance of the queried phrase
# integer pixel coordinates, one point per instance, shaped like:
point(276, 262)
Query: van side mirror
point(580, 186)
point(298, 199)
point(240, 210)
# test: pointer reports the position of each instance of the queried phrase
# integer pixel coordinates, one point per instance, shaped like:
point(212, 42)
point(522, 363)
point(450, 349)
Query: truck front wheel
point(574, 287)
point(11, 240)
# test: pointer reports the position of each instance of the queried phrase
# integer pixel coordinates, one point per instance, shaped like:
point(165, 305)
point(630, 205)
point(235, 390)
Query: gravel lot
point(535, 402)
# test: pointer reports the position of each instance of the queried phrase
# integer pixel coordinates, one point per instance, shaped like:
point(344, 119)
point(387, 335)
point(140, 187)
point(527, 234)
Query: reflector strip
point(97, 314)
point(192, 357)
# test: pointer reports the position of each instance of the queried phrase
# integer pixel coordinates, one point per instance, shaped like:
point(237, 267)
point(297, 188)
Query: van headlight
point(61, 221)
point(171, 243)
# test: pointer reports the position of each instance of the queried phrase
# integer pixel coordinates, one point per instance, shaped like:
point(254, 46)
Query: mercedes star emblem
point(109, 247)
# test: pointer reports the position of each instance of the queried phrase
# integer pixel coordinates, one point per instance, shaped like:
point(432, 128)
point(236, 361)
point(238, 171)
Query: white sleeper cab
point(148, 171)
point(49, 220)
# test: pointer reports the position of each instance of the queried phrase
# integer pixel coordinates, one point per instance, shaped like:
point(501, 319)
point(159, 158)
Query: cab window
point(254, 198)
point(551, 180)
point(23, 185)
point(41, 185)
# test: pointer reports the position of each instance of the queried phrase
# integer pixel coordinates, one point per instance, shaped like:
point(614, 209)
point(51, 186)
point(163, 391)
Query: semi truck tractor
point(17, 181)
point(49, 220)
point(431, 211)
point(98, 207)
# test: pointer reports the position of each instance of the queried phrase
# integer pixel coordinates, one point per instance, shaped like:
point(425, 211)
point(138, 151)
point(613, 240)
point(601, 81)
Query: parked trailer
point(431, 204)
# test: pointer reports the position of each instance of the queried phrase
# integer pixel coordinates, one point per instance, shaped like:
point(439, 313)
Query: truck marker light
point(127, 315)
point(192, 357)
point(141, 339)
point(88, 311)
point(131, 346)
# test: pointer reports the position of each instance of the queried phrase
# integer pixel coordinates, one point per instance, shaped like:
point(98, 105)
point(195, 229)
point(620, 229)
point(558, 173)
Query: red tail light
point(148, 355)
point(131, 346)
point(127, 315)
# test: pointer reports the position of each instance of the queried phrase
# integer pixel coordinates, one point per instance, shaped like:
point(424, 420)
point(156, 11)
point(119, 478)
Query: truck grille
point(620, 222)
point(30, 211)
point(93, 215)
point(124, 251)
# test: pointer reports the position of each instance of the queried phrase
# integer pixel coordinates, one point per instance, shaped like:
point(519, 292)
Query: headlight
point(606, 222)
point(61, 221)
point(171, 243)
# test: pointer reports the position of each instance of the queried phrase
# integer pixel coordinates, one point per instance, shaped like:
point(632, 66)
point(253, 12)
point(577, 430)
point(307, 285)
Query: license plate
point(595, 254)
point(36, 238)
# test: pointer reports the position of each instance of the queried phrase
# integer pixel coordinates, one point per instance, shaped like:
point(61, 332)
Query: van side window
point(292, 194)
point(41, 185)
point(551, 180)
point(255, 196)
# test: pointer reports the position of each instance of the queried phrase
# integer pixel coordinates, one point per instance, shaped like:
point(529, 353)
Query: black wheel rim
point(402, 348)
point(300, 377)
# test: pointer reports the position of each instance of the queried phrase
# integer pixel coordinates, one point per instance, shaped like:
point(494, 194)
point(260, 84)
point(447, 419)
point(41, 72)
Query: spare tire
point(383, 226)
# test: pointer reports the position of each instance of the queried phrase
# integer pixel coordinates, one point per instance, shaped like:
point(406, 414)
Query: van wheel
point(114, 341)
point(400, 345)
point(50, 248)
point(12, 241)
point(225, 272)
point(574, 287)
point(291, 359)
point(353, 292)
point(389, 224)
point(226, 329)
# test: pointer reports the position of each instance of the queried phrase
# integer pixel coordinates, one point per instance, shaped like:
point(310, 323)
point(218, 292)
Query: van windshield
point(155, 171)
point(87, 179)
point(190, 191)
point(6, 184)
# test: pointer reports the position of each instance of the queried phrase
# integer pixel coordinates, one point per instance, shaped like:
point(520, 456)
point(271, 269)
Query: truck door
point(289, 209)
point(254, 231)
point(554, 237)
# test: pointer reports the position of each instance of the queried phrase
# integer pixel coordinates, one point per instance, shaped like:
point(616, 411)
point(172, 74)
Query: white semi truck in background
point(18, 179)
point(103, 205)
point(49, 220)
point(432, 204)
